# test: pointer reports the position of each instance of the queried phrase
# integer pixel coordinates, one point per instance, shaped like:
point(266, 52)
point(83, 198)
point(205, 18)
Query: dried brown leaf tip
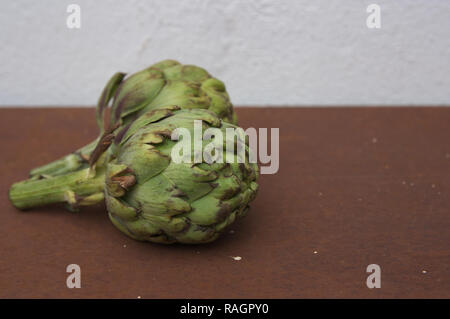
point(105, 141)
point(125, 181)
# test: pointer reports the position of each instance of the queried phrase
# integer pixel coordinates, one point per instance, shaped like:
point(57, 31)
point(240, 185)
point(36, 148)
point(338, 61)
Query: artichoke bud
point(151, 197)
point(165, 83)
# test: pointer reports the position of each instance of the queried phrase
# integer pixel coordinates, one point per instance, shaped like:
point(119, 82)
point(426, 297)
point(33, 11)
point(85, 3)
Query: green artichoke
point(149, 195)
point(165, 83)
point(152, 198)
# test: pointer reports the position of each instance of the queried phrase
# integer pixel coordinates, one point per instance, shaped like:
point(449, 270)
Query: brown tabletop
point(356, 186)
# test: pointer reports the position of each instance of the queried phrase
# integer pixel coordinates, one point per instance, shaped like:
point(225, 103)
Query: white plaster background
point(267, 52)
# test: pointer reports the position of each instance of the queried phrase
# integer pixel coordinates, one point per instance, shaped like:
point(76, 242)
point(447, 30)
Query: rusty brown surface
point(356, 186)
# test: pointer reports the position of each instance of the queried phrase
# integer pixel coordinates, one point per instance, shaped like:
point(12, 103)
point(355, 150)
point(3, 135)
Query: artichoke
point(149, 195)
point(165, 83)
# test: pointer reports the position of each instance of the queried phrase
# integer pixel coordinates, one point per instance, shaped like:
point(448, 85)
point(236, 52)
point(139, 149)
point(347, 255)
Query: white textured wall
point(267, 52)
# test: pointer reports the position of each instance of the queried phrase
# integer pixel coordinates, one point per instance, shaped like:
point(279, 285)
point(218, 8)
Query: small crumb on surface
point(424, 271)
point(404, 182)
point(315, 251)
point(236, 257)
point(433, 186)
point(320, 194)
point(124, 246)
point(138, 297)
point(374, 140)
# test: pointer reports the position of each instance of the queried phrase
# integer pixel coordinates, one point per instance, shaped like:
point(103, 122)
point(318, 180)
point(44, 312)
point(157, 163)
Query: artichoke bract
point(150, 197)
point(165, 83)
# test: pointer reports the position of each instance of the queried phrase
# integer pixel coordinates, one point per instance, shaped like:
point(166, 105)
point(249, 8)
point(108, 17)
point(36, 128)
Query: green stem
point(75, 188)
point(69, 163)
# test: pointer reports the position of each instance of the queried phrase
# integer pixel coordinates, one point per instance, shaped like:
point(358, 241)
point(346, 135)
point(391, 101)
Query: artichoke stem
point(75, 188)
point(69, 163)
